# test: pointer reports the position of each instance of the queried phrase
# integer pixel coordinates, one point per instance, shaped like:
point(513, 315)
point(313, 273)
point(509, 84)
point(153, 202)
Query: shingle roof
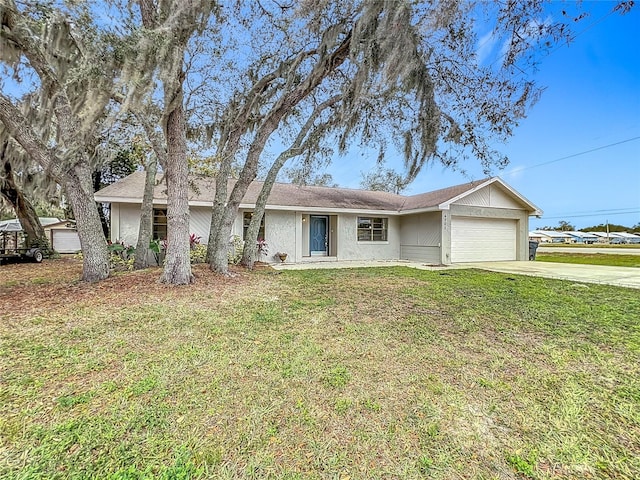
point(202, 191)
point(436, 197)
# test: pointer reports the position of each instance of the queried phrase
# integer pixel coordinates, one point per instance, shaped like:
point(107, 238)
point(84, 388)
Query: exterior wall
point(343, 239)
point(522, 224)
point(349, 248)
point(280, 234)
point(420, 237)
point(200, 222)
point(125, 222)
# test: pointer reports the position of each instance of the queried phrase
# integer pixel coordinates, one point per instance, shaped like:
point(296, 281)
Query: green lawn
point(613, 260)
point(346, 374)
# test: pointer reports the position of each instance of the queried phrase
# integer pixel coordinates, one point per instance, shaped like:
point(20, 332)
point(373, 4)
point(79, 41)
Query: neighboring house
point(485, 220)
point(552, 236)
point(62, 234)
point(603, 237)
point(582, 237)
point(625, 237)
point(535, 237)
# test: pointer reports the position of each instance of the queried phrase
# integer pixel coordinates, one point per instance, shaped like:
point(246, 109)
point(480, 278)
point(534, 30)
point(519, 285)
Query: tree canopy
point(239, 82)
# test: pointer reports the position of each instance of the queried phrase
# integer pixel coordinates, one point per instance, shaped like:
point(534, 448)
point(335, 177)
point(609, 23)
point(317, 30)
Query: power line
point(606, 210)
point(590, 215)
point(520, 169)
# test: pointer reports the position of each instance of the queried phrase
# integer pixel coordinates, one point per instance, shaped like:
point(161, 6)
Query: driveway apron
point(618, 276)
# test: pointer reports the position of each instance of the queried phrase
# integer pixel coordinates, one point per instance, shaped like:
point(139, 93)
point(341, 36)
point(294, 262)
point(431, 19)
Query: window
point(246, 220)
point(159, 223)
point(372, 229)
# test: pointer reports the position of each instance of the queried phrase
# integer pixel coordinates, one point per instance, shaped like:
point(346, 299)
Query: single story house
point(603, 237)
point(485, 220)
point(582, 237)
point(625, 237)
point(535, 237)
point(552, 236)
point(62, 234)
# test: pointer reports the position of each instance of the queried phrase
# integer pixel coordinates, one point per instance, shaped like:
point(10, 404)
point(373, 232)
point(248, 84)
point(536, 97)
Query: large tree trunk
point(217, 245)
point(247, 175)
point(250, 251)
point(25, 212)
point(76, 181)
point(79, 188)
point(177, 267)
point(146, 217)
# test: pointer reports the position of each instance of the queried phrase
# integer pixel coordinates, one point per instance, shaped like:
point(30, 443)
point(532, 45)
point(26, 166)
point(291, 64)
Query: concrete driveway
point(618, 276)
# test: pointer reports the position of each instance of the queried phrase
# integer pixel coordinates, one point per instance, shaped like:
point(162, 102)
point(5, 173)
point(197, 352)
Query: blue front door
point(318, 238)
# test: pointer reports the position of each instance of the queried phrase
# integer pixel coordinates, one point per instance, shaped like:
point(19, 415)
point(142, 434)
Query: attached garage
point(483, 239)
point(484, 221)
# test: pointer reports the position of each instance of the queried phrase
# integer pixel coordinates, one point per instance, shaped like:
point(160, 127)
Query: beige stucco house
point(486, 220)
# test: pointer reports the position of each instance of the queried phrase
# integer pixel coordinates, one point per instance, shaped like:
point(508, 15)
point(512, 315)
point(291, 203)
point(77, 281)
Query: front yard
point(346, 374)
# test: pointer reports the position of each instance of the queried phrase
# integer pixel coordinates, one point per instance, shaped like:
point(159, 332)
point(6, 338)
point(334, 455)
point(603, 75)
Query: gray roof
point(202, 192)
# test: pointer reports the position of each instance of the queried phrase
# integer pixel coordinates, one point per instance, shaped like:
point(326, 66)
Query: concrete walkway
point(618, 276)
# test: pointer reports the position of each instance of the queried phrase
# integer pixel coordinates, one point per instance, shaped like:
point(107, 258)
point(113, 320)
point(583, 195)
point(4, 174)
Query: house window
point(159, 223)
point(246, 220)
point(371, 229)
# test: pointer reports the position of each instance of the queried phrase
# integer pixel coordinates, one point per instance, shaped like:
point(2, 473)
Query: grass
point(362, 373)
point(618, 260)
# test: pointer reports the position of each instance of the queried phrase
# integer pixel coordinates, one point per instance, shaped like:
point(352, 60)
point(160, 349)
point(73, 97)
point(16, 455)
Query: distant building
point(583, 237)
point(551, 236)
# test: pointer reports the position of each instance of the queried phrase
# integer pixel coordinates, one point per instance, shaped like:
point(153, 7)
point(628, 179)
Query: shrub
point(194, 240)
point(121, 255)
point(263, 248)
point(234, 254)
point(198, 254)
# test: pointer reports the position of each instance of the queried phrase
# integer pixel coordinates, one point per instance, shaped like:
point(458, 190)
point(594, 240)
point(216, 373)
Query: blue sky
point(592, 100)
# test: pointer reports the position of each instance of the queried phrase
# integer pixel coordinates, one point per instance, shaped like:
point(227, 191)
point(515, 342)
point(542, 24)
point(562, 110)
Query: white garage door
point(66, 241)
point(482, 239)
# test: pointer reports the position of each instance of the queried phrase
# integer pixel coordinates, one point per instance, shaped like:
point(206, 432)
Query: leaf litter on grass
point(366, 373)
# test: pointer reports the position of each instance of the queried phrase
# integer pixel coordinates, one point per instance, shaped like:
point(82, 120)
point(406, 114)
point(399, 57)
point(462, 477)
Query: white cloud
point(486, 44)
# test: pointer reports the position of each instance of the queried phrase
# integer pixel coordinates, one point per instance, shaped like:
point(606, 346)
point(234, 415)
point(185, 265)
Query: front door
point(318, 238)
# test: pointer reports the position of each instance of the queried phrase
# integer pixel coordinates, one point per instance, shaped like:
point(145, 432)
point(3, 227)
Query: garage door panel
point(66, 241)
point(483, 239)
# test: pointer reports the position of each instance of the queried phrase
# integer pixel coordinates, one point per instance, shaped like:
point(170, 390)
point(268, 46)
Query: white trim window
point(159, 224)
point(372, 229)
point(246, 220)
